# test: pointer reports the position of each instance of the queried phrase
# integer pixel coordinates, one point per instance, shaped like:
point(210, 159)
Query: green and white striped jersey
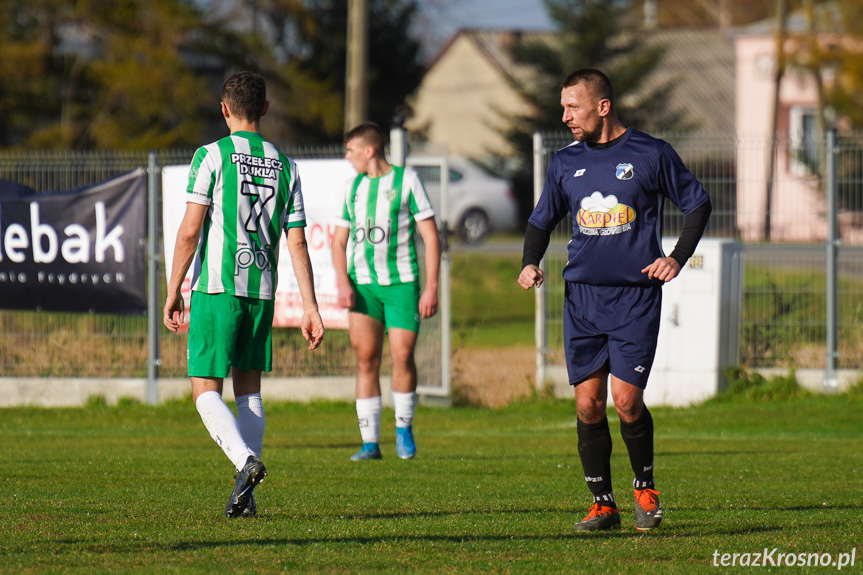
point(382, 214)
point(253, 192)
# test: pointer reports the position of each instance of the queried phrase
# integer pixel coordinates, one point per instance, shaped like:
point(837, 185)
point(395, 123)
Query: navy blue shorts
point(614, 325)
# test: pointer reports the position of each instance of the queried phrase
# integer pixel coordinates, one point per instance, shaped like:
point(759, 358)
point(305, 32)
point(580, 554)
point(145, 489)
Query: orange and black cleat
point(599, 517)
point(648, 511)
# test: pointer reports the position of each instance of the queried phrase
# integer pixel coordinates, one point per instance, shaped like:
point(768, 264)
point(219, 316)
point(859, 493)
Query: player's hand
point(428, 303)
point(312, 327)
point(665, 269)
point(345, 294)
point(174, 313)
point(530, 276)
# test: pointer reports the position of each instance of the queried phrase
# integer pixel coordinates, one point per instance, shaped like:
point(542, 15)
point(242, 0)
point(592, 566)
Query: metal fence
point(38, 344)
point(66, 344)
point(785, 294)
point(784, 319)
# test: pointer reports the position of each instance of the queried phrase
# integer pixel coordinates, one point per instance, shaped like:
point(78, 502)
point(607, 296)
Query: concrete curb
point(811, 379)
point(71, 392)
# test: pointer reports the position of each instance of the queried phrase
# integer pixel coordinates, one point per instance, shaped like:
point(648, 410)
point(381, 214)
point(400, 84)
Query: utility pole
point(726, 17)
point(779, 72)
point(651, 14)
point(356, 76)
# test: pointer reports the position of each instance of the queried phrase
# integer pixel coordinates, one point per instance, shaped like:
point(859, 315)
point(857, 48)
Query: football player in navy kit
point(613, 180)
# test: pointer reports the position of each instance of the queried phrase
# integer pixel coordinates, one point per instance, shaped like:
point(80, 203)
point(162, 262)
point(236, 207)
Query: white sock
point(369, 416)
point(250, 418)
point(404, 404)
point(222, 425)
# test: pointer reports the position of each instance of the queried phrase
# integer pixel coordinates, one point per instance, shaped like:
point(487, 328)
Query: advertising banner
point(324, 183)
point(78, 250)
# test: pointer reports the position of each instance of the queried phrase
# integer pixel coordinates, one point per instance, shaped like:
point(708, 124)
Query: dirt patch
point(493, 377)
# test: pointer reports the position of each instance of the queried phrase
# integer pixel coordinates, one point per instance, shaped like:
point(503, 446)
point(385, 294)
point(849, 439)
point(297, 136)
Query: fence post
point(153, 312)
point(445, 300)
point(399, 148)
point(830, 377)
point(539, 294)
point(398, 142)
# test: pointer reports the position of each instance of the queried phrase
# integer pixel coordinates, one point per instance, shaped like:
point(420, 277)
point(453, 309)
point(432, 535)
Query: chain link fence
point(38, 344)
point(783, 321)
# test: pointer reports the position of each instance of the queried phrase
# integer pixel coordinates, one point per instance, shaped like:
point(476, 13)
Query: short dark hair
point(245, 93)
point(370, 133)
point(598, 83)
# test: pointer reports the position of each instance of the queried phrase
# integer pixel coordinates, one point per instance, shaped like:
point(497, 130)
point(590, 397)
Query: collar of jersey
point(246, 134)
point(392, 169)
point(604, 150)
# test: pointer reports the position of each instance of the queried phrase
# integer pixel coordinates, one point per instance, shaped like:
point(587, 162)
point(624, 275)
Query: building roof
point(499, 46)
point(828, 17)
point(700, 62)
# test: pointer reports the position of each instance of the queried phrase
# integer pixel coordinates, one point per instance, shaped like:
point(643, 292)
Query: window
point(805, 141)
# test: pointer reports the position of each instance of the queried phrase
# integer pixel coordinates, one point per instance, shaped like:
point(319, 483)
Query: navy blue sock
point(594, 448)
point(638, 437)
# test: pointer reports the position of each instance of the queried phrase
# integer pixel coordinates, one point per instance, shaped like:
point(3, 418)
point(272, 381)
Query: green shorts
point(225, 331)
point(395, 305)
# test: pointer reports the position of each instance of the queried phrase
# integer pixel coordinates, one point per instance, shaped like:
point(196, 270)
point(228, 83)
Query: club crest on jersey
point(604, 215)
point(390, 194)
point(624, 172)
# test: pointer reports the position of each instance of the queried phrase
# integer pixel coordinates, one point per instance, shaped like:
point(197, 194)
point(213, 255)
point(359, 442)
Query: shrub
point(743, 385)
point(855, 390)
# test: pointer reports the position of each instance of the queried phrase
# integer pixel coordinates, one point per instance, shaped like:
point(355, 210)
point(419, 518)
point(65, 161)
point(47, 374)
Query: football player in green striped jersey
point(378, 280)
point(242, 194)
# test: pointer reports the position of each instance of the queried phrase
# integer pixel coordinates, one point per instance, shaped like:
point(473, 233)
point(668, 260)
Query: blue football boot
point(369, 451)
point(405, 446)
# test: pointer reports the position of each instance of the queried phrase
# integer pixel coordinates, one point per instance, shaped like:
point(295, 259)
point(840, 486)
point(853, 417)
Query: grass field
point(141, 489)
point(489, 309)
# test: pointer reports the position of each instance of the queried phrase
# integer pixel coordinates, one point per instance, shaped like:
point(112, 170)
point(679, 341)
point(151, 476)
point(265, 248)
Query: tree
point(310, 61)
point(712, 13)
point(831, 51)
point(590, 33)
point(100, 74)
point(839, 58)
point(145, 73)
point(31, 67)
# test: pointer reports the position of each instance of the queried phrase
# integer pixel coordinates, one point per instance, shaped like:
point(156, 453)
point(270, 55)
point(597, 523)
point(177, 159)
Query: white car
point(477, 202)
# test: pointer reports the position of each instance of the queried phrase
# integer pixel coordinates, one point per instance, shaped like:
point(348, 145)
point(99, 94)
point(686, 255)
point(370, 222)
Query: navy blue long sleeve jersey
point(615, 196)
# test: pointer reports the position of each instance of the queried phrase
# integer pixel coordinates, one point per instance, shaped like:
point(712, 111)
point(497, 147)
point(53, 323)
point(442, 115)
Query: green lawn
point(141, 489)
point(489, 309)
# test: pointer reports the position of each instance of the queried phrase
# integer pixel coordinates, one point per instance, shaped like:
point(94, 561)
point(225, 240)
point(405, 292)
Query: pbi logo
point(371, 233)
point(247, 257)
point(624, 172)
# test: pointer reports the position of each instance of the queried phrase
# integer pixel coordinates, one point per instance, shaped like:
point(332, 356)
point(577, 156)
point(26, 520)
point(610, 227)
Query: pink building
point(797, 201)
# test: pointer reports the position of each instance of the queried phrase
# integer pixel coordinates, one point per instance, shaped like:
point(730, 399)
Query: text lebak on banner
point(323, 183)
point(79, 250)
